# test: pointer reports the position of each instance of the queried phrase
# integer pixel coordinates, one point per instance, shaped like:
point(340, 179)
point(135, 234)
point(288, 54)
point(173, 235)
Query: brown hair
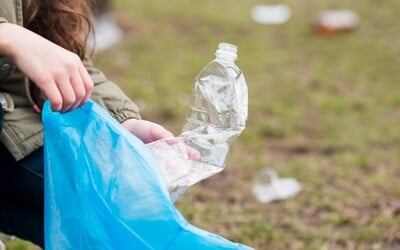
point(67, 23)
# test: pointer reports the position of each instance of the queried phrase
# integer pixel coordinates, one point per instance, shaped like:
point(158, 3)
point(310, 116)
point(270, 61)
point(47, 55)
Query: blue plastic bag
point(104, 189)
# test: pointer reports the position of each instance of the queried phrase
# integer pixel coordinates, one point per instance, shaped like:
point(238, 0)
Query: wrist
point(7, 31)
point(14, 39)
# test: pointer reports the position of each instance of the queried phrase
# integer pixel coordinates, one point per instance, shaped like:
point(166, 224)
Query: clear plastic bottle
point(217, 115)
point(218, 110)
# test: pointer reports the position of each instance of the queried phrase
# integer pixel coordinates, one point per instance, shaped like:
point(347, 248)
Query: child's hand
point(147, 131)
point(150, 132)
point(57, 72)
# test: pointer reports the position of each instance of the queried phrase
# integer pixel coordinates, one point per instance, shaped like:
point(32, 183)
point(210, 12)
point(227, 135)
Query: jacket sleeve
point(108, 95)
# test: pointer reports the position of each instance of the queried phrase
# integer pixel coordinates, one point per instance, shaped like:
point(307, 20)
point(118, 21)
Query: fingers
point(68, 94)
point(81, 85)
point(79, 90)
point(157, 132)
point(160, 132)
point(87, 83)
point(69, 90)
point(146, 131)
point(194, 155)
point(54, 95)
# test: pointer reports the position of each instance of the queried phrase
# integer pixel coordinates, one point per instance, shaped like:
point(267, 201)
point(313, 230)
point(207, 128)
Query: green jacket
point(22, 127)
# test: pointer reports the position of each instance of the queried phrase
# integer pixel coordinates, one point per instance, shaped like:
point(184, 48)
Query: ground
point(322, 109)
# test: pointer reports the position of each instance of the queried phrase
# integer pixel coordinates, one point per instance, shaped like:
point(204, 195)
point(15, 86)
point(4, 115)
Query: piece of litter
point(107, 33)
point(269, 187)
point(332, 21)
point(271, 14)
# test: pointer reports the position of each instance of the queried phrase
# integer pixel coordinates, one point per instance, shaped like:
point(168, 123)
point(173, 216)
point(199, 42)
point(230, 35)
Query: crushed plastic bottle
point(217, 116)
point(268, 187)
point(218, 109)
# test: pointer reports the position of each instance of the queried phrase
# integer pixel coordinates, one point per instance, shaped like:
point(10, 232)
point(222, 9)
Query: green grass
point(324, 110)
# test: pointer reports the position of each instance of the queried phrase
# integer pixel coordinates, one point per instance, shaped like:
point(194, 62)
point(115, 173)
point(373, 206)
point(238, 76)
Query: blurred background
point(324, 108)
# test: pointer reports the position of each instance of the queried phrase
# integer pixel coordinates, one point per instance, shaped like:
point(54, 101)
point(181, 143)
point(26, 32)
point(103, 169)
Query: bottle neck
point(226, 56)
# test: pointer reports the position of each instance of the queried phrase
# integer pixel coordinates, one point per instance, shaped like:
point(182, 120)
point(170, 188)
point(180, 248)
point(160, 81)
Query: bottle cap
point(227, 51)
